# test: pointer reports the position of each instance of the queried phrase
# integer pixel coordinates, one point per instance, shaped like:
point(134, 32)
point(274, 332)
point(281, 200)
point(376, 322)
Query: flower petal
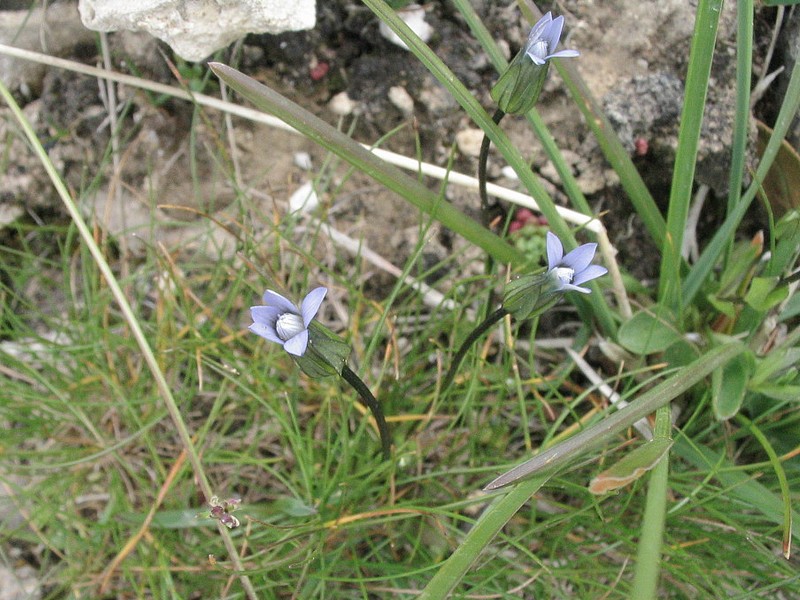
point(275, 299)
point(266, 315)
point(311, 304)
point(539, 29)
point(265, 331)
point(555, 250)
point(563, 54)
point(589, 273)
point(580, 258)
point(553, 33)
point(298, 344)
point(574, 288)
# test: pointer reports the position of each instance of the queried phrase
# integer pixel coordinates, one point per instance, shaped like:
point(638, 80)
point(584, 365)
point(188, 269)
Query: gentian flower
point(544, 38)
point(532, 294)
point(569, 271)
point(280, 321)
point(317, 350)
point(519, 86)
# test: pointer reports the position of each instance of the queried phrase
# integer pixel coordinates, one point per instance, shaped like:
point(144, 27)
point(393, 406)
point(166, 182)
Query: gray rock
point(56, 31)
point(196, 28)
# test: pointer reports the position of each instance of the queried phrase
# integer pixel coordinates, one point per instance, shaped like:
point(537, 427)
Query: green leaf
point(650, 330)
point(784, 393)
point(763, 293)
point(792, 308)
point(293, 507)
point(729, 385)
point(631, 467)
point(726, 307)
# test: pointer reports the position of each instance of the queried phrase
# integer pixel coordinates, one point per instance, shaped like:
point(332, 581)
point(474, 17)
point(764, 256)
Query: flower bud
point(528, 294)
point(519, 86)
point(326, 353)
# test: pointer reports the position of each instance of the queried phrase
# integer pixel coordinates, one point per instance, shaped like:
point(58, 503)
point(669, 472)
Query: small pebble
point(341, 104)
point(413, 16)
point(401, 99)
point(469, 141)
point(304, 199)
point(302, 160)
point(509, 172)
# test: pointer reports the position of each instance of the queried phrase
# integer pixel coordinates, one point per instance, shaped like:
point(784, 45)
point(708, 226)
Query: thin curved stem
point(369, 401)
point(487, 323)
point(483, 159)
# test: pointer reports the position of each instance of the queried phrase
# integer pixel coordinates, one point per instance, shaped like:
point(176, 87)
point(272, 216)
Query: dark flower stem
point(368, 400)
point(487, 323)
point(483, 158)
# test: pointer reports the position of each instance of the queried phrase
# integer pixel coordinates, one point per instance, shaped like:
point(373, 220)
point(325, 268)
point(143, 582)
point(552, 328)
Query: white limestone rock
point(196, 28)
point(56, 30)
point(414, 17)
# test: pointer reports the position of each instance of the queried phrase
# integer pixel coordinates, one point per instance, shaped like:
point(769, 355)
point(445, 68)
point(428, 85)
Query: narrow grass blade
point(708, 259)
point(744, 67)
point(700, 56)
point(478, 539)
point(337, 142)
point(780, 474)
point(741, 485)
point(597, 435)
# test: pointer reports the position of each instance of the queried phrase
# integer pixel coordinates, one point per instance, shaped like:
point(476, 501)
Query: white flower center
point(538, 49)
point(289, 325)
point(564, 274)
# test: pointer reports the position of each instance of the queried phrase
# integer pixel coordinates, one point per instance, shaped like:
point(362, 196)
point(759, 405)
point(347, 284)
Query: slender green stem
point(483, 158)
point(369, 401)
point(473, 337)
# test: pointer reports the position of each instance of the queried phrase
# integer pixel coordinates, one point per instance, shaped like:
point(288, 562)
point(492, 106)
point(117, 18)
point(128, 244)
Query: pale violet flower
point(570, 271)
point(280, 321)
point(520, 84)
point(543, 39)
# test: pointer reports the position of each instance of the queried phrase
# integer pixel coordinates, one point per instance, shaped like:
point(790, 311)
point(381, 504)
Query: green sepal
point(528, 294)
point(519, 86)
point(326, 354)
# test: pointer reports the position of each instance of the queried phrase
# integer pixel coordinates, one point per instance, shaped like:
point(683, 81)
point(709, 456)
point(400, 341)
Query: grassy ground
point(108, 460)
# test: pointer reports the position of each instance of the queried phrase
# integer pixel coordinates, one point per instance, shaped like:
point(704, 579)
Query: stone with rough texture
point(56, 30)
point(196, 28)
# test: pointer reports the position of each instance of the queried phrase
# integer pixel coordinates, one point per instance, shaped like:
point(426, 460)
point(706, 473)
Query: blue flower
point(519, 86)
point(568, 272)
point(543, 39)
point(280, 320)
